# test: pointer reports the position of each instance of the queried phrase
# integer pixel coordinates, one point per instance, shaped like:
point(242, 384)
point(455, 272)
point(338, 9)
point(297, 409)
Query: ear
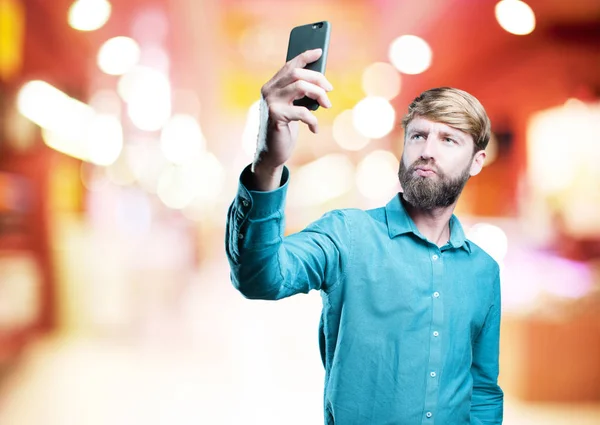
point(477, 162)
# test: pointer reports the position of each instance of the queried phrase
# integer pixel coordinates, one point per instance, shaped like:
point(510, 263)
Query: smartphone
point(308, 37)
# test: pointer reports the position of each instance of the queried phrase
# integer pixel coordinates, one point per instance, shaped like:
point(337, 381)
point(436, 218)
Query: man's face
point(436, 163)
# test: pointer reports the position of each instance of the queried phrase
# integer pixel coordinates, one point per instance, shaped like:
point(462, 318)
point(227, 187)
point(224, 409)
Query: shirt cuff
point(261, 203)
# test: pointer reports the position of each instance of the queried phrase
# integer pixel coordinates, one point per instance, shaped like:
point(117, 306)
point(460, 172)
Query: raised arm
point(263, 264)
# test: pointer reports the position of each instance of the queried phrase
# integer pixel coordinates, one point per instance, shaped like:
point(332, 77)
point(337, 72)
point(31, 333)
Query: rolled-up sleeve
point(487, 402)
point(267, 265)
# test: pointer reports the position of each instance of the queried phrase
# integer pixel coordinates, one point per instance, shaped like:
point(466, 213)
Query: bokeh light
point(181, 139)
point(118, 55)
point(382, 80)
point(322, 180)
point(89, 15)
point(377, 175)
point(106, 102)
point(491, 238)
point(410, 54)
point(147, 93)
point(104, 139)
point(374, 117)
point(515, 16)
point(345, 134)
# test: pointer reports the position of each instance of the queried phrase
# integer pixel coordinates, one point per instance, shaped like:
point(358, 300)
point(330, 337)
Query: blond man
point(409, 330)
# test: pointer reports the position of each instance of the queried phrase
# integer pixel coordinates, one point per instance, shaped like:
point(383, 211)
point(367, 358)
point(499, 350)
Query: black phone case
point(308, 37)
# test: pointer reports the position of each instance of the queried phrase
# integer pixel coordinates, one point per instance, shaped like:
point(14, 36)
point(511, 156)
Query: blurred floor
point(213, 364)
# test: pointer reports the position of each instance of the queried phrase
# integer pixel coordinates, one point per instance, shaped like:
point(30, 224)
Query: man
point(409, 329)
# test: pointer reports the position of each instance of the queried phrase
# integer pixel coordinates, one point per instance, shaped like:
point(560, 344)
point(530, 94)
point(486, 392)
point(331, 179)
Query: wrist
point(266, 178)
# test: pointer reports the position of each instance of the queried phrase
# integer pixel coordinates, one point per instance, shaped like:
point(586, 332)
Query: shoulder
point(485, 266)
point(348, 220)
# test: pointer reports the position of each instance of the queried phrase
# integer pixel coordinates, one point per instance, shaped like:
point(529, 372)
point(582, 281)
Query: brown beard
point(428, 193)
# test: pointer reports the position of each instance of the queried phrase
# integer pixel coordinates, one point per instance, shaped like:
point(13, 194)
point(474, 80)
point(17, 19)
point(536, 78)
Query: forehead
point(428, 126)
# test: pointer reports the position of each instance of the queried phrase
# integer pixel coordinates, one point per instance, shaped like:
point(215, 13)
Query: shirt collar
point(399, 223)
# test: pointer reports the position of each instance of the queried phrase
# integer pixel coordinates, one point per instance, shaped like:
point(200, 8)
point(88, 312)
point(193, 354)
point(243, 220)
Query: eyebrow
point(454, 135)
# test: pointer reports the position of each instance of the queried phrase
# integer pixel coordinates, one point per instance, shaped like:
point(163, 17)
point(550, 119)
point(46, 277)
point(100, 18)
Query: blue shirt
point(409, 331)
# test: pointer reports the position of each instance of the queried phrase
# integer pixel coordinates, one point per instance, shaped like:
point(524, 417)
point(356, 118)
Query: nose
point(428, 150)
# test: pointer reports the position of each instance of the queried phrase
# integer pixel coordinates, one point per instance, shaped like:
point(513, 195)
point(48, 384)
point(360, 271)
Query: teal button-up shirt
point(409, 331)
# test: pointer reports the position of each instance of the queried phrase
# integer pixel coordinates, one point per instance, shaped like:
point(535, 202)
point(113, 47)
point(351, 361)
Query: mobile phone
point(308, 37)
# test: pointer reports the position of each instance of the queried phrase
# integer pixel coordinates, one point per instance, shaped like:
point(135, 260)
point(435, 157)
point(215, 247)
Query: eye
point(416, 136)
point(449, 140)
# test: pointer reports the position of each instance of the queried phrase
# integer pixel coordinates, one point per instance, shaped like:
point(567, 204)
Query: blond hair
point(455, 108)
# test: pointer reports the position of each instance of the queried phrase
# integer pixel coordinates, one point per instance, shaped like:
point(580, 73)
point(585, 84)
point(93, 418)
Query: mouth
point(424, 171)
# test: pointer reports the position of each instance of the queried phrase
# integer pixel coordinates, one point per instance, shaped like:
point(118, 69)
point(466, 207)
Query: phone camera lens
point(319, 25)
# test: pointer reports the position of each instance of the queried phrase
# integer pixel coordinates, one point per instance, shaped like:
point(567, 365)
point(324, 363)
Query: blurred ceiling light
point(410, 54)
point(345, 134)
point(182, 139)
point(147, 93)
point(377, 175)
point(71, 126)
point(104, 139)
point(374, 117)
point(250, 135)
point(515, 16)
point(118, 55)
point(98, 141)
point(549, 129)
point(50, 108)
point(381, 79)
point(492, 239)
point(106, 102)
point(321, 180)
point(69, 143)
point(89, 15)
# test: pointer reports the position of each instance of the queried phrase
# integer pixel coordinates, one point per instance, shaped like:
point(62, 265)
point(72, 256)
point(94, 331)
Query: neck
point(433, 224)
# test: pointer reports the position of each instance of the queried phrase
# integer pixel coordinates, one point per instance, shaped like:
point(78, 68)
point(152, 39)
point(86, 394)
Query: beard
point(429, 193)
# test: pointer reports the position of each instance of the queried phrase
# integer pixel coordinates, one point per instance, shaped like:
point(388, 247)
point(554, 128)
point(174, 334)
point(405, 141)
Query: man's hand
point(290, 83)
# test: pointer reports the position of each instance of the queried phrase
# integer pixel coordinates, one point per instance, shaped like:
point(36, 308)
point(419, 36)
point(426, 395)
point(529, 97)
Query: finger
point(291, 113)
point(307, 118)
point(308, 75)
point(301, 88)
point(304, 58)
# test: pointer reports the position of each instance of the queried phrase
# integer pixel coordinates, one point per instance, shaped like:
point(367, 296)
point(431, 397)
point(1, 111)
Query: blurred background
point(124, 126)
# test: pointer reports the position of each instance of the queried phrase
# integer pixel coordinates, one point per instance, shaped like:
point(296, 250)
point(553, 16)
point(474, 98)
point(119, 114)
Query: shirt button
point(432, 374)
point(436, 294)
point(429, 414)
point(436, 333)
point(245, 203)
point(240, 236)
point(434, 257)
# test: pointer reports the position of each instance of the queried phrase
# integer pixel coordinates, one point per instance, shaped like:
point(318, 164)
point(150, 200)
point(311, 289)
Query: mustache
point(424, 163)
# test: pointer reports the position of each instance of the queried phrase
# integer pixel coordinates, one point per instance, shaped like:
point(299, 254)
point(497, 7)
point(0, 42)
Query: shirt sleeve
point(487, 402)
point(266, 265)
